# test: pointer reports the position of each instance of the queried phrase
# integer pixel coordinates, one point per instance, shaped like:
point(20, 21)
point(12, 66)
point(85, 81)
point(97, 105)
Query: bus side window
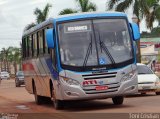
point(40, 38)
point(24, 47)
point(35, 49)
point(46, 49)
point(44, 42)
point(53, 58)
point(30, 46)
point(37, 43)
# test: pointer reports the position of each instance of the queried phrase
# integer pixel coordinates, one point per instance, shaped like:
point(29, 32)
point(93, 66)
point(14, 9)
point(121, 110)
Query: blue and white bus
point(81, 57)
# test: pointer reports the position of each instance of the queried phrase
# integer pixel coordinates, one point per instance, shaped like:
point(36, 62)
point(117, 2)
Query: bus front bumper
point(71, 92)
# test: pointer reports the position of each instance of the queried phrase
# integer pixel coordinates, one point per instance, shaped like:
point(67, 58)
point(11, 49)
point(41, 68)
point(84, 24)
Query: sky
point(16, 14)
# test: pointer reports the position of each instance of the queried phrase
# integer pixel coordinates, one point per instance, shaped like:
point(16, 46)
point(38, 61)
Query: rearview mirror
point(50, 35)
point(135, 31)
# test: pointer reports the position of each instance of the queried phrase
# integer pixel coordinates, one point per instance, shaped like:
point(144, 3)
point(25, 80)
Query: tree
point(67, 11)
point(4, 58)
point(152, 14)
point(83, 6)
point(9, 56)
point(41, 15)
point(1, 59)
point(17, 58)
point(29, 26)
point(141, 8)
point(123, 5)
point(86, 6)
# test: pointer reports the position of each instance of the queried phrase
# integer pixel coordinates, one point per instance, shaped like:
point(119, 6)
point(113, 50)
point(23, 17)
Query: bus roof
point(43, 24)
point(89, 15)
point(75, 16)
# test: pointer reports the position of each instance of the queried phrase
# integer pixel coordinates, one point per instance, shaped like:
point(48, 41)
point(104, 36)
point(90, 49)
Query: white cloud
point(37, 2)
point(2, 2)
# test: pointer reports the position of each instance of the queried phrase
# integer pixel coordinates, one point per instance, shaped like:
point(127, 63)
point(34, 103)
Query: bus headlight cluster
point(71, 81)
point(128, 76)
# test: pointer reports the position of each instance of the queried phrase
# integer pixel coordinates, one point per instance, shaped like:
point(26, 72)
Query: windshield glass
point(144, 70)
point(97, 42)
point(20, 74)
point(113, 37)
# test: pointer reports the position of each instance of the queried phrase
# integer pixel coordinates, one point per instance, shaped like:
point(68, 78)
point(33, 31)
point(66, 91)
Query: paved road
point(17, 100)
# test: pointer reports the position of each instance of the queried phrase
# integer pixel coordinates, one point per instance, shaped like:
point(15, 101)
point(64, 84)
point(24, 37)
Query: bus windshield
point(98, 42)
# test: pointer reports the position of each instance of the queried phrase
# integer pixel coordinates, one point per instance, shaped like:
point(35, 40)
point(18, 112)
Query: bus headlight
point(71, 81)
point(128, 76)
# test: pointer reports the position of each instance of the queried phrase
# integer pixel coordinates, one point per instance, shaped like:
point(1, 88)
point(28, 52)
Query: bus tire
point(58, 104)
point(157, 93)
point(118, 100)
point(38, 99)
point(17, 85)
point(143, 93)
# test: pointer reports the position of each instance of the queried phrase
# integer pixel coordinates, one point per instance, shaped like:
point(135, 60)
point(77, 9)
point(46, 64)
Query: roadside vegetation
point(10, 58)
point(83, 6)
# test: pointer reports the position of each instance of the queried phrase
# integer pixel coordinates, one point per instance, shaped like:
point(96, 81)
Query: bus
point(81, 57)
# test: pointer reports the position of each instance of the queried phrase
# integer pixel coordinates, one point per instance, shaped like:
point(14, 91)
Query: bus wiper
point(89, 50)
point(103, 46)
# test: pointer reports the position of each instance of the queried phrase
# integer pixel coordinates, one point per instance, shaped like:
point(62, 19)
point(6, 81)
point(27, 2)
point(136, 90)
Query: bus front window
point(75, 38)
point(99, 42)
point(113, 35)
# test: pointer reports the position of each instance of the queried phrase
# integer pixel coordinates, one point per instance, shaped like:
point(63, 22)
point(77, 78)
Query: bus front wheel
point(38, 99)
point(157, 93)
point(58, 104)
point(118, 100)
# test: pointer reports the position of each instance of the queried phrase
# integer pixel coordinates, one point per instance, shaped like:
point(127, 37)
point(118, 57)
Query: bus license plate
point(101, 87)
point(146, 87)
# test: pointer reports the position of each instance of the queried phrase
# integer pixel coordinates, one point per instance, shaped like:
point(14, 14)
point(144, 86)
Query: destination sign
point(78, 28)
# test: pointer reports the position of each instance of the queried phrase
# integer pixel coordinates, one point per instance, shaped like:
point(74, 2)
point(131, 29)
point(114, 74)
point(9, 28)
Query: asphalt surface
point(18, 100)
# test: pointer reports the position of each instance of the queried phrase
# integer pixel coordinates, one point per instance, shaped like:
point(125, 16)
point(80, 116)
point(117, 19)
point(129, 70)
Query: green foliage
point(86, 6)
point(148, 9)
point(155, 32)
point(29, 26)
point(10, 55)
point(83, 6)
point(158, 56)
point(41, 15)
point(67, 11)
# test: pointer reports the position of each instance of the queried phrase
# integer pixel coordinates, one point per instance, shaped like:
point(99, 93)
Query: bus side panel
point(38, 70)
point(28, 73)
point(47, 77)
point(43, 75)
point(36, 77)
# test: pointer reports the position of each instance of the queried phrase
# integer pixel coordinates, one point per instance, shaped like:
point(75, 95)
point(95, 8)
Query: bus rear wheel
point(58, 104)
point(157, 93)
point(38, 99)
point(118, 100)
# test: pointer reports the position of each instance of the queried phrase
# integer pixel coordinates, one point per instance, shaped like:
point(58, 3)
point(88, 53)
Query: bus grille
point(91, 89)
point(99, 75)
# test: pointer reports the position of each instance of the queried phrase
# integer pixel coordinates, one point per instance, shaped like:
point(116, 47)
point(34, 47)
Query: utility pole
point(136, 20)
